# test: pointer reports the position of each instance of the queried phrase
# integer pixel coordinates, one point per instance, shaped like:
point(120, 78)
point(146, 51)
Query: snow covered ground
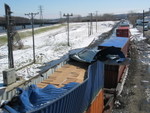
point(137, 37)
point(49, 46)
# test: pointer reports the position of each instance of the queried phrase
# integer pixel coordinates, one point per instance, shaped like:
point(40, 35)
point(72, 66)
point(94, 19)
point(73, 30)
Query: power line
point(32, 15)
point(41, 14)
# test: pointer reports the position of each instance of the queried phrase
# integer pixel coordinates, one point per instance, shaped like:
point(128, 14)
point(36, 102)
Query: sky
point(52, 8)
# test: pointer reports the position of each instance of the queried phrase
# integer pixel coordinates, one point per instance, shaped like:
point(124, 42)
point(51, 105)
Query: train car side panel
point(97, 105)
point(123, 32)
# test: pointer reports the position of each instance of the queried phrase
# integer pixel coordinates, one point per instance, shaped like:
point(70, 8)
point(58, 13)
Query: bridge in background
point(24, 24)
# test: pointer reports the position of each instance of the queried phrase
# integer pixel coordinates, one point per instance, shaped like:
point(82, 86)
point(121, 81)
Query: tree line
point(132, 17)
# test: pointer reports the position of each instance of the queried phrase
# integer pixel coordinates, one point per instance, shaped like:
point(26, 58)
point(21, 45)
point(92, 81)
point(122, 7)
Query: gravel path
point(135, 97)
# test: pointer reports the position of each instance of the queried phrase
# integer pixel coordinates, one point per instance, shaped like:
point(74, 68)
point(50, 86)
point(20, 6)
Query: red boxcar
point(123, 32)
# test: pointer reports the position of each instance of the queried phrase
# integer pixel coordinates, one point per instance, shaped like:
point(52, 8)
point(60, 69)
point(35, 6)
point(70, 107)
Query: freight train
point(84, 82)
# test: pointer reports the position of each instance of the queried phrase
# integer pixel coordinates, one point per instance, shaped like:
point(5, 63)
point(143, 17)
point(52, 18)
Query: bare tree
point(108, 17)
point(132, 17)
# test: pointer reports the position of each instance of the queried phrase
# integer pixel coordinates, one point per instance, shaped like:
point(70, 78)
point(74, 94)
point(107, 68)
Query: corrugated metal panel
point(78, 99)
point(95, 83)
point(97, 105)
point(113, 74)
point(10, 93)
point(125, 48)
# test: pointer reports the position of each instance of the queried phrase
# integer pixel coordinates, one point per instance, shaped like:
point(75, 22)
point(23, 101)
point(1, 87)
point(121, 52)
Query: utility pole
point(32, 15)
point(41, 14)
point(143, 23)
point(9, 35)
point(60, 14)
point(96, 20)
point(88, 29)
point(91, 24)
point(67, 16)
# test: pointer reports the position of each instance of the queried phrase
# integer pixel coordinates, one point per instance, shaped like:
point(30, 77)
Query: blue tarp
point(110, 53)
point(118, 42)
point(85, 56)
point(34, 97)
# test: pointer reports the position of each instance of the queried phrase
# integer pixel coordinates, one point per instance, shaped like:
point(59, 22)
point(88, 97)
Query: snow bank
point(136, 35)
point(49, 46)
